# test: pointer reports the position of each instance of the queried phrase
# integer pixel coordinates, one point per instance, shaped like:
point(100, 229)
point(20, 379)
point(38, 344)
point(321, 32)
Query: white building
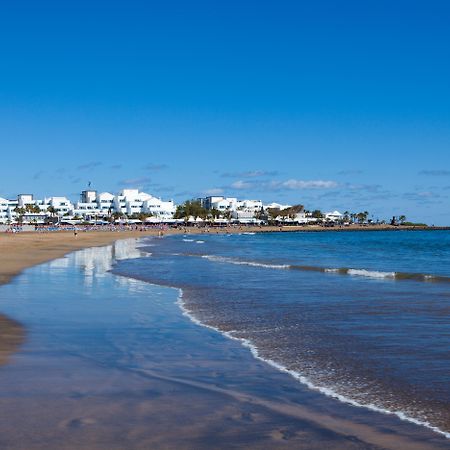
point(230, 204)
point(334, 216)
point(275, 205)
point(128, 201)
point(242, 216)
point(158, 208)
point(92, 206)
point(62, 205)
point(249, 205)
point(4, 210)
point(105, 202)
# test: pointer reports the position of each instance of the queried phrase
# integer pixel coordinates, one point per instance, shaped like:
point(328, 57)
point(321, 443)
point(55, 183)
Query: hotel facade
point(133, 205)
point(91, 206)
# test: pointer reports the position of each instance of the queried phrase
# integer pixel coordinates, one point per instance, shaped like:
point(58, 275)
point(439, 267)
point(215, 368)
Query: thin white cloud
point(241, 185)
point(309, 184)
point(214, 191)
point(287, 185)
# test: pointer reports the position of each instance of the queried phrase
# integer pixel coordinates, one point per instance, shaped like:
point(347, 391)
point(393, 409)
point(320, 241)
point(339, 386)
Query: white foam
point(200, 242)
point(304, 380)
point(238, 262)
point(331, 270)
point(370, 273)
point(188, 240)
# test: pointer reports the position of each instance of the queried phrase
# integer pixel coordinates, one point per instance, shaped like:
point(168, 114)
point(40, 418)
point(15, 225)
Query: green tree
point(361, 217)
point(52, 210)
point(117, 215)
point(20, 212)
point(214, 213)
point(227, 214)
point(273, 213)
point(32, 209)
point(191, 208)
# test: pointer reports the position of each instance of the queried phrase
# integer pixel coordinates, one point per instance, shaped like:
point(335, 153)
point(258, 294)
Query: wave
point(238, 262)
point(355, 272)
point(193, 240)
point(370, 273)
point(328, 391)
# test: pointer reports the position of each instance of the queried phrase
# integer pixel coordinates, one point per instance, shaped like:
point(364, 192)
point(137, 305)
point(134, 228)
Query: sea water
point(359, 316)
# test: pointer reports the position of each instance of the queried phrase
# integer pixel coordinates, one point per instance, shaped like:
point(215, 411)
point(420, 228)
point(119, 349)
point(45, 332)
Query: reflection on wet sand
point(12, 335)
point(97, 261)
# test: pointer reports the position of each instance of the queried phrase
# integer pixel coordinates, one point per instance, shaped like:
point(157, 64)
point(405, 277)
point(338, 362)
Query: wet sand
point(175, 385)
point(111, 363)
point(12, 335)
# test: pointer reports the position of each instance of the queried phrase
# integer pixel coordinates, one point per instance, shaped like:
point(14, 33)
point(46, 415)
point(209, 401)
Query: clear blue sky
point(332, 104)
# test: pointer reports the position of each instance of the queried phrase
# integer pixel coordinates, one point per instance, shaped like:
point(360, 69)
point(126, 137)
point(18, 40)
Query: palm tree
point(362, 216)
point(227, 215)
point(52, 210)
point(117, 215)
point(20, 213)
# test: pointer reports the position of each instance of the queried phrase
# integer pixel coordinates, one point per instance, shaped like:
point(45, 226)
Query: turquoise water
point(363, 317)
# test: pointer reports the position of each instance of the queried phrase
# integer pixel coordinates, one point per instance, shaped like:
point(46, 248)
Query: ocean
point(359, 316)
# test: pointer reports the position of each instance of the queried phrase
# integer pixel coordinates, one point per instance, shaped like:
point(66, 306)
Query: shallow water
point(110, 362)
point(356, 315)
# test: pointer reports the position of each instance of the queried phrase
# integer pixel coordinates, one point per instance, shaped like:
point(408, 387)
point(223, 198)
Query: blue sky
point(332, 104)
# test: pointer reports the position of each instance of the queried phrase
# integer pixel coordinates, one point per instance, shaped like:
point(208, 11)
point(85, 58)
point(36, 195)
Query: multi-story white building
point(275, 205)
point(4, 210)
point(61, 205)
point(231, 204)
point(105, 202)
point(92, 206)
point(249, 205)
point(334, 216)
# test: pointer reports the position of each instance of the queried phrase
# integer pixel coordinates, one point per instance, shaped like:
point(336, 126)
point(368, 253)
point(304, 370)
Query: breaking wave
point(355, 272)
point(238, 262)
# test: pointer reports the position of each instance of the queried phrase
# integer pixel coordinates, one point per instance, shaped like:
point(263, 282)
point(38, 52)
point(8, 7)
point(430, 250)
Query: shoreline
point(326, 391)
point(293, 420)
point(20, 251)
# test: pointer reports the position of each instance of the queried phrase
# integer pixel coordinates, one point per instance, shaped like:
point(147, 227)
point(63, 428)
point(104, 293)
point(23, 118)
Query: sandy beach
point(19, 251)
point(22, 250)
point(213, 392)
